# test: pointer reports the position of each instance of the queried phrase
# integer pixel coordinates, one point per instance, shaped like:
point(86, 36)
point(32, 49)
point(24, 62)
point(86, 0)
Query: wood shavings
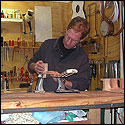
point(21, 118)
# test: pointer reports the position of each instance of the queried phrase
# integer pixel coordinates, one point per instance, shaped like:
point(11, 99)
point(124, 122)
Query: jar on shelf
point(2, 14)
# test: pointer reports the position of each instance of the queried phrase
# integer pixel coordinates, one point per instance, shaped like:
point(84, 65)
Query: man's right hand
point(38, 67)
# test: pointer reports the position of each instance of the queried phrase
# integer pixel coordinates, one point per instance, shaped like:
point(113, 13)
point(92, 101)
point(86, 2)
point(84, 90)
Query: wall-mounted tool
point(11, 74)
point(27, 18)
point(98, 75)
point(89, 14)
point(93, 68)
point(14, 74)
point(30, 87)
point(107, 25)
point(92, 46)
point(93, 71)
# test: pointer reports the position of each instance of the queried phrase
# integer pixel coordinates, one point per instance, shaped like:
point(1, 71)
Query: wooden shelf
point(21, 47)
point(11, 20)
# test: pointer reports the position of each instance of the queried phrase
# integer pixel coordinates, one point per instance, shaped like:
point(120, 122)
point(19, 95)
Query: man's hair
point(79, 24)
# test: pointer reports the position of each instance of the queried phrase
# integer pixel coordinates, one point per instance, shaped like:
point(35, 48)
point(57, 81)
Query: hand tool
point(91, 68)
point(2, 56)
point(2, 81)
point(94, 69)
point(21, 74)
point(4, 53)
point(5, 45)
point(30, 87)
point(98, 75)
point(14, 74)
point(5, 82)
point(12, 53)
point(95, 11)
point(18, 74)
point(106, 70)
point(11, 74)
point(66, 73)
point(7, 52)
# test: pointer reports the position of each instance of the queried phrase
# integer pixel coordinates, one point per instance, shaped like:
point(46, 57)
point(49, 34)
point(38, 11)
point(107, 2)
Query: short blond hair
point(79, 24)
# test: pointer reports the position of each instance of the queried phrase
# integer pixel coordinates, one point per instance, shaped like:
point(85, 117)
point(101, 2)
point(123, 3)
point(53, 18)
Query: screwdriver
point(11, 74)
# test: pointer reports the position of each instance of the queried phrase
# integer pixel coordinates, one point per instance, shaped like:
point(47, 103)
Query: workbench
point(21, 101)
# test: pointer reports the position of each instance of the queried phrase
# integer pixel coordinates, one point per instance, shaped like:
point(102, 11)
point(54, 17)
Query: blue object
point(49, 117)
point(4, 117)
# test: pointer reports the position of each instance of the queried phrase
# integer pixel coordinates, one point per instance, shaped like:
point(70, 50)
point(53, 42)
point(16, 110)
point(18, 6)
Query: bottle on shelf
point(12, 42)
point(6, 14)
point(2, 14)
point(9, 42)
point(14, 16)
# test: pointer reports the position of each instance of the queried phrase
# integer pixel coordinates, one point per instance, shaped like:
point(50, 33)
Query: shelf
point(11, 20)
point(20, 47)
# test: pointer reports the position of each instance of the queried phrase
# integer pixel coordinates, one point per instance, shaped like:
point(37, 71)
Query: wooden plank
point(33, 100)
point(94, 115)
point(75, 122)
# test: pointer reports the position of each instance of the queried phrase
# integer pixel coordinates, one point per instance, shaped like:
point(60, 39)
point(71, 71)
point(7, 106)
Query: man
point(62, 54)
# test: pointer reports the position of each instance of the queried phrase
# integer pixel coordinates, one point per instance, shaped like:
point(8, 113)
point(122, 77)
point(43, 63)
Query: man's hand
point(39, 67)
point(54, 75)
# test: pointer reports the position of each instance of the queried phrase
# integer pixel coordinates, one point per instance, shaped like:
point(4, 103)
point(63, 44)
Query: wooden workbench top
point(32, 100)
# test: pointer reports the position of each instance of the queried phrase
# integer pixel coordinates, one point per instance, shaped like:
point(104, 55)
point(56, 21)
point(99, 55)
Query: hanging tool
point(11, 74)
point(14, 74)
point(21, 74)
point(93, 46)
point(2, 56)
point(89, 14)
point(98, 75)
point(111, 70)
point(94, 70)
point(107, 27)
point(91, 69)
point(7, 52)
point(106, 75)
point(27, 18)
point(30, 87)
point(18, 74)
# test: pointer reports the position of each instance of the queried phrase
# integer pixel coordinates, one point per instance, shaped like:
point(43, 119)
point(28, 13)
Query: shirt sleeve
point(38, 55)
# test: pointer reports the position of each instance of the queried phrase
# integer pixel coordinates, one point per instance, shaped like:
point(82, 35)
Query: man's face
point(71, 39)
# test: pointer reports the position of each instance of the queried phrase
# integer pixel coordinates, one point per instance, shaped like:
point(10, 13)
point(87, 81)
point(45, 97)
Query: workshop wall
point(11, 31)
point(109, 47)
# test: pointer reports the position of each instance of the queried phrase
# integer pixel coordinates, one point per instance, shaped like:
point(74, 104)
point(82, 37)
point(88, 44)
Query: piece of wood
point(33, 100)
point(106, 84)
point(75, 122)
point(111, 84)
point(94, 115)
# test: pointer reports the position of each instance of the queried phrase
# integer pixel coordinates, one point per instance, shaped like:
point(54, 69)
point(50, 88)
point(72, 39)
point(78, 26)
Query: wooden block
point(114, 83)
point(111, 84)
point(106, 84)
point(121, 83)
point(94, 115)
